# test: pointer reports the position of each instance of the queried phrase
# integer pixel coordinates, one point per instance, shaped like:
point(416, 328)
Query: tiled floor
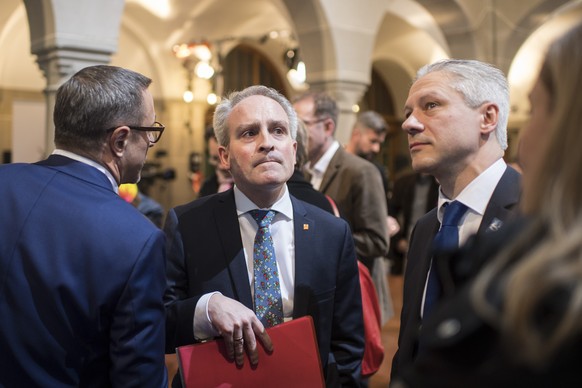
point(389, 334)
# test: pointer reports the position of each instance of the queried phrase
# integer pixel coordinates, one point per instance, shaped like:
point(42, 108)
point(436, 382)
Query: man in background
point(352, 182)
point(220, 180)
point(81, 270)
point(368, 136)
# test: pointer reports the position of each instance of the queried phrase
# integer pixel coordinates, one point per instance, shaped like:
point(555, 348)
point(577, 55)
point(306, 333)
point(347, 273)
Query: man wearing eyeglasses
point(354, 183)
point(82, 272)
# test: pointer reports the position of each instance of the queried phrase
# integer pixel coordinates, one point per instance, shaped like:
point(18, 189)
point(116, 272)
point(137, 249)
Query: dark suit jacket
point(476, 354)
point(301, 189)
point(356, 187)
point(501, 205)
point(209, 186)
point(81, 281)
point(212, 259)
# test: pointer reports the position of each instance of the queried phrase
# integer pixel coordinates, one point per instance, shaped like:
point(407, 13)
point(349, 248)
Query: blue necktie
point(446, 239)
point(268, 303)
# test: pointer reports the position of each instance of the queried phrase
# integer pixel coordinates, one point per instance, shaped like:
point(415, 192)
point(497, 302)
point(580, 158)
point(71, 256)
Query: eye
point(430, 105)
point(249, 133)
point(279, 131)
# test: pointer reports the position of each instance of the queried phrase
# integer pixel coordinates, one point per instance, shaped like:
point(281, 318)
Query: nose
point(411, 124)
point(265, 140)
point(376, 148)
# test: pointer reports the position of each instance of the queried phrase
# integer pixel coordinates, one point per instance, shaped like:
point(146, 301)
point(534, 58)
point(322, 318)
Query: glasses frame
point(309, 123)
point(151, 132)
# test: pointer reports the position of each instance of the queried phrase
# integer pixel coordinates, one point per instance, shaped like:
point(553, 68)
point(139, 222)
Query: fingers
point(239, 327)
point(235, 346)
point(265, 340)
point(239, 350)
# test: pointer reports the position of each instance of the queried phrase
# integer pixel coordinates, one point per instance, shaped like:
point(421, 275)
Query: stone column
point(68, 36)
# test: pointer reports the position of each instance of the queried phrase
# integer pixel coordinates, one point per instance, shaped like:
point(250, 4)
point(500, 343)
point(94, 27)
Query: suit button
point(449, 328)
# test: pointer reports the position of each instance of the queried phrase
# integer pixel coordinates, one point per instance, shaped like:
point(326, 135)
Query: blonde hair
point(549, 252)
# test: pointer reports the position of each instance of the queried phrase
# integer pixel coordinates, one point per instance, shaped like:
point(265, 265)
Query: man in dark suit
point(456, 120)
point(211, 281)
point(81, 270)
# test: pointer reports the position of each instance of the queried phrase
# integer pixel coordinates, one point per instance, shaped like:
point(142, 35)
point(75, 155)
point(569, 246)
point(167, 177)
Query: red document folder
point(294, 361)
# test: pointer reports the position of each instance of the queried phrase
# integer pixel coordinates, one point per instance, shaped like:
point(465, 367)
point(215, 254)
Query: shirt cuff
point(203, 328)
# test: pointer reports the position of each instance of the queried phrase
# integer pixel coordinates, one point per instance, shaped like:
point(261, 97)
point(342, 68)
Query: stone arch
point(454, 24)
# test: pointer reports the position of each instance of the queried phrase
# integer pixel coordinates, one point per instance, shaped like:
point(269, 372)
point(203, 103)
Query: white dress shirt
point(318, 170)
point(90, 162)
point(283, 234)
point(476, 197)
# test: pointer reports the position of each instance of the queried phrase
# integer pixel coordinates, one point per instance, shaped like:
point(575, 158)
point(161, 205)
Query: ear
point(118, 140)
point(224, 156)
point(329, 126)
point(489, 117)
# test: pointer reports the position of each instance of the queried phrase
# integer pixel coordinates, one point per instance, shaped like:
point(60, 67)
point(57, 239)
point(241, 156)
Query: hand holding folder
point(294, 361)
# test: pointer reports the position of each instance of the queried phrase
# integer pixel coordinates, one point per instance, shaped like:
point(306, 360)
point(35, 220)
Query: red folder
point(294, 361)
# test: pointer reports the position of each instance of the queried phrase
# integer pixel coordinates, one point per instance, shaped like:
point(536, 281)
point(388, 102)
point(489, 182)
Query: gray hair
point(227, 104)
point(94, 100)
point(372, 120)
point(478, 82)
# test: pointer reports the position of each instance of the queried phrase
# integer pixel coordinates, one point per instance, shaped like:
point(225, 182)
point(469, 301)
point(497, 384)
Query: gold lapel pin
point(305, 226)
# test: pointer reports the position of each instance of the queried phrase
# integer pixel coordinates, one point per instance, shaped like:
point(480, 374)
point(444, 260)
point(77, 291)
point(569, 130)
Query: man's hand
point(239, 327)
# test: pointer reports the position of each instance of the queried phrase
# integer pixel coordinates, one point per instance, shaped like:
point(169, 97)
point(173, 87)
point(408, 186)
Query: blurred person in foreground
point(212, 256)
point(456, 122)
point(81, 270)
point(513, 316)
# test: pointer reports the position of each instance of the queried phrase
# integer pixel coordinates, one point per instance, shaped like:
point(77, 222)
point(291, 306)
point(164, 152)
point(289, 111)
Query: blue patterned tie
point(446, 239)
point(268, 303)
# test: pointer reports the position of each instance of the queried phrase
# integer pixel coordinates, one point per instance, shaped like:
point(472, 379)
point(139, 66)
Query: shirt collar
point(323, 162)
point(245, 205)
point(90, 162)
point(478, 192)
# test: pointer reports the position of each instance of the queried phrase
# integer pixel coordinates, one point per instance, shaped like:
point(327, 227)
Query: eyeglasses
point(309, 123)
point(153, 133)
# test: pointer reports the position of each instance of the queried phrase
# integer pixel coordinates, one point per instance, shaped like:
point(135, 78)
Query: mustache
point(271, 157)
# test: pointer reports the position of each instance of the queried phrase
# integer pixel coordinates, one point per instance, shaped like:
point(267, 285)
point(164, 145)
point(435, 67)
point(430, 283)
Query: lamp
point(297, 74)
point(196, 58)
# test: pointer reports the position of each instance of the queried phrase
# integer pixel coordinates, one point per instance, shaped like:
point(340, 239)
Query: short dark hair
point(94, 100)
point(372, 120)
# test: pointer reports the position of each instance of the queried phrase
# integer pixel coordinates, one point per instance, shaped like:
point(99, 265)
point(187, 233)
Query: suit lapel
point(226, 223)
point(426, 254)
point(503, 200)
point(332, 170)
point(304, 240)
